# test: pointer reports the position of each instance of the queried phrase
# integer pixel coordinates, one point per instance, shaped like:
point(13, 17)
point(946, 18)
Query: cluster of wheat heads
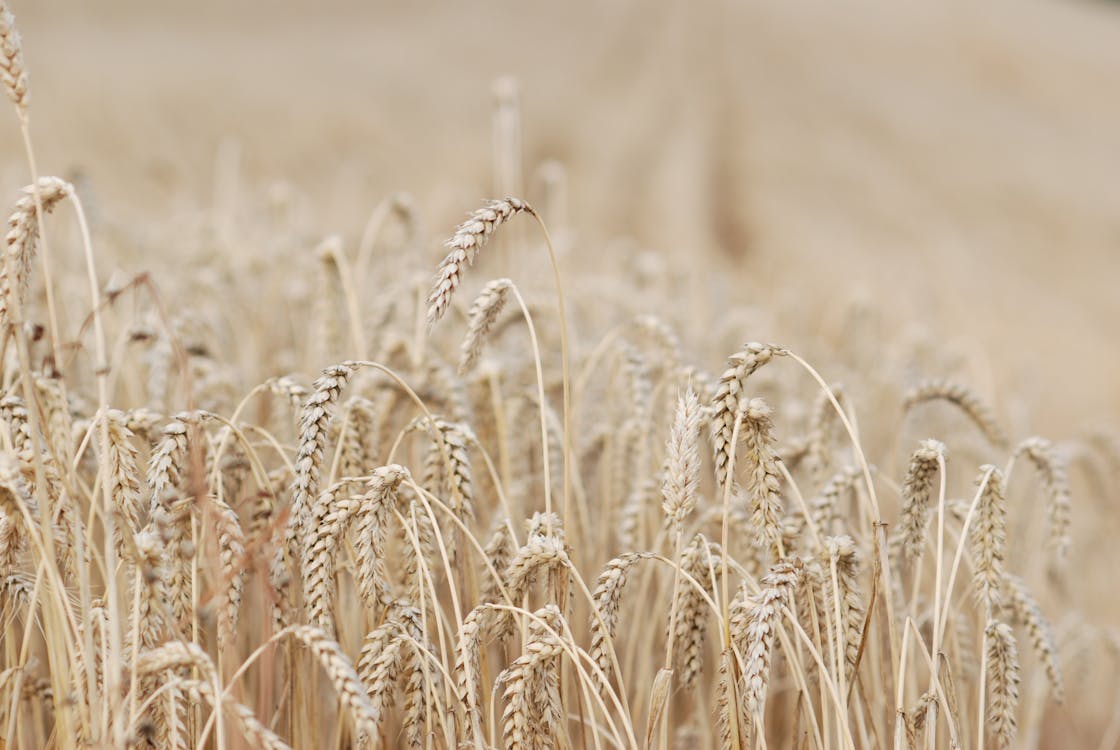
point(483, 535)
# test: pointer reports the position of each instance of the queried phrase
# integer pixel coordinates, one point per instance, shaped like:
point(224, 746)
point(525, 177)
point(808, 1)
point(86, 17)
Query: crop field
point(591, 376)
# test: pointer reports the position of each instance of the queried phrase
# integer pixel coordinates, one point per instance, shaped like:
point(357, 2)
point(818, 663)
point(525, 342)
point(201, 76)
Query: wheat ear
point(915, 496)
point(484, 312)
point(965, 399)
point(1026, 612)
point(464, 245)
point(1052, 467)
point(23, 235)
point(728, 402)
point(1003, 682)
point(756, 637)
point(989, 539)
point(13, 74)
point(682, 462)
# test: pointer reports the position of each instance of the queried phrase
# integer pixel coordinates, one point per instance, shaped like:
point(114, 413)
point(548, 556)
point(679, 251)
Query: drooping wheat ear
point(464, 245)
point(468, 674)
point(756, 637)
point(58, 425)
point(419, 556)
point(23, 234)
point(382, 658)
point(821, 421)
point(728, 403)
point(351, 692)
point(172, 511)
point(175, 655)
point(607, 600)
point(13, 75)
point(124, 480)
point(1051, 465)
point(842, 553)
point(231, 553)
point(484, 312)
point(358, 446)
point(374, 514)
point(525, 722)
point(698, 560)
point(824, 507)
point(917, 716)
point(763, 478)
point(1003, 682)
point(540, 552)
point(499, 550)
point(422, 700)
point(456, 486)
point(314, 419)
point(989, 539)
point(330, 517)
point(150, 625)
point(668, 344)
point(15, 501)
point(1026, 612)
point(727, 707)
point(682, 462)
point(963, 398)
point(915, 496)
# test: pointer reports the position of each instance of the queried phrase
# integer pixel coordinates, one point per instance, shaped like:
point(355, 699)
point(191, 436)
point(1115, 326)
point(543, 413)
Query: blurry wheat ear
point(469, 238)
point(965, 399)
point(1051, 467)
point(484, 312)
point(13, 74)
point(682, 462)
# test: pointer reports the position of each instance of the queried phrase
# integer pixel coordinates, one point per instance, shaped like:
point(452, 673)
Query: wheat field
point(583, 376)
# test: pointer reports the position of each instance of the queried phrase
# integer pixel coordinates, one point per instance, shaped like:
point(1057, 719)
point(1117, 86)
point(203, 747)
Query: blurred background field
point(852, 173)
point(956, 164)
